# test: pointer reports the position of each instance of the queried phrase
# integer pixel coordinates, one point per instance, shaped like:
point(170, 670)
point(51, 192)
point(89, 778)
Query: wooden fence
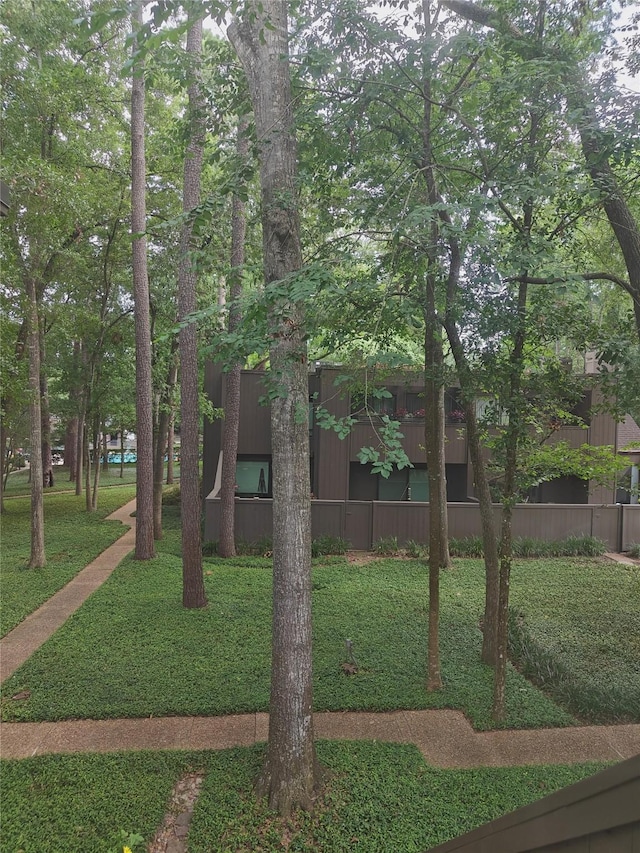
point(362, 523)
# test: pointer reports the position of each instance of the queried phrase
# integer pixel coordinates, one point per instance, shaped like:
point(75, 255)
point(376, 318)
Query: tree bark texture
point(160, 443)
point(170, 445)
point(96, 464)
point(290, 773)
point(45, 420)
point(623, 223)
point(481, 482)
point(70, 446)
point(434, 382)
point(227, 543)
point(37, 559)
point(193, 593)
point(145, 548)
point(514, 430)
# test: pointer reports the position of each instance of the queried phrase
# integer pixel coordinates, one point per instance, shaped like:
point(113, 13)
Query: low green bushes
point(525, 546)
point(575, 632)
point(322, 546)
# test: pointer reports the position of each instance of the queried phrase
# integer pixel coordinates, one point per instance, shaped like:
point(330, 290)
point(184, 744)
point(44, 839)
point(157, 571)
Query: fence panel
point(363, 523)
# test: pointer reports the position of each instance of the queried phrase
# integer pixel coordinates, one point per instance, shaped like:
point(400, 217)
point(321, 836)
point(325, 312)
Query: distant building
point(354, 503)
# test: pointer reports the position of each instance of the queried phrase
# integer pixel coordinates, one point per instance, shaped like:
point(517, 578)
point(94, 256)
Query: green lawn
point(380, 798)
point(18, 482)
point(580, 616)
point(154, 658)
point(73, 538)
point(577, 632)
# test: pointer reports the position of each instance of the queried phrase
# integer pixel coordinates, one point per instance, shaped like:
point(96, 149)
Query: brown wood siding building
point(351, 502)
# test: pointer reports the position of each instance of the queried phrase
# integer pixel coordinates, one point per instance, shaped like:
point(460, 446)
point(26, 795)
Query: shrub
point(171, 496)
point(578, 546)
point(587, 697)
point(387, 546)
point(209, 549)
point(469, 546)
point(634, 551)
point(527, 546)
point(415, 550)
point(324, 545)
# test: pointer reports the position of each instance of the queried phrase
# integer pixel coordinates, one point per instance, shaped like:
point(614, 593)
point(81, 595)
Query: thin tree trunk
point(96, 467)
point(122, 453)
point(71, 446)
point(45, 420)
point(160, 445)
point(105, 449)
point(80, 454)
point(4, 468)
point(87, 467)
point(145, 548)
point(227, 543)
point(434, 384)
point(193, 592)
point(481, 482)
point(37, 559)
point(623, 223)
point(290, 773)
point(170, 444)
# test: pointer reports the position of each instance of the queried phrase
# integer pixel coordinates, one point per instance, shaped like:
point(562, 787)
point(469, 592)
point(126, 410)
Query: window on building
point(377, 405)
point(415, 404)
point(407, 484)
point(253, 477)
point(488, 410)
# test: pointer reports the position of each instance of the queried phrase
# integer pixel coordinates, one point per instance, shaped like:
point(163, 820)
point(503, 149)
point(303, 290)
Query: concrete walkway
point(445, 737)
point(29, 635)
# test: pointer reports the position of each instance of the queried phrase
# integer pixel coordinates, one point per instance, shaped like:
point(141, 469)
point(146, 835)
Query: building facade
point(352, 502)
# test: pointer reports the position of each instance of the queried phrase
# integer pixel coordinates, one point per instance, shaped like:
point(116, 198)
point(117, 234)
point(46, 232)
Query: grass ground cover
point(576, 631)
point(73, 538)
point(379, 798)
point(154, 658)
point(18, 481)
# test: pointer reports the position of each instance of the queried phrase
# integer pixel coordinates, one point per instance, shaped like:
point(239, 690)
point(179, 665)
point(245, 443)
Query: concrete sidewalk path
point(445, 738)
point(29, 635)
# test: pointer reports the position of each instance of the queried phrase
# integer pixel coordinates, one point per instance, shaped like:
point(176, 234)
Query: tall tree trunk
point(170, 444)
point(122, 453)
point(290, 773)
point(624, 224)
point(96, 464)
point(87, 466)
point(227, 543)
point(45, 419)
point(37, 559)
point(3, 458)
point(160, 444)
point(145, 548)
point(514, 431)
point(71, 446)
point(481, 482)
point(434, 381)
point(80, 452)
point(105, 449)
point(193, 592)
